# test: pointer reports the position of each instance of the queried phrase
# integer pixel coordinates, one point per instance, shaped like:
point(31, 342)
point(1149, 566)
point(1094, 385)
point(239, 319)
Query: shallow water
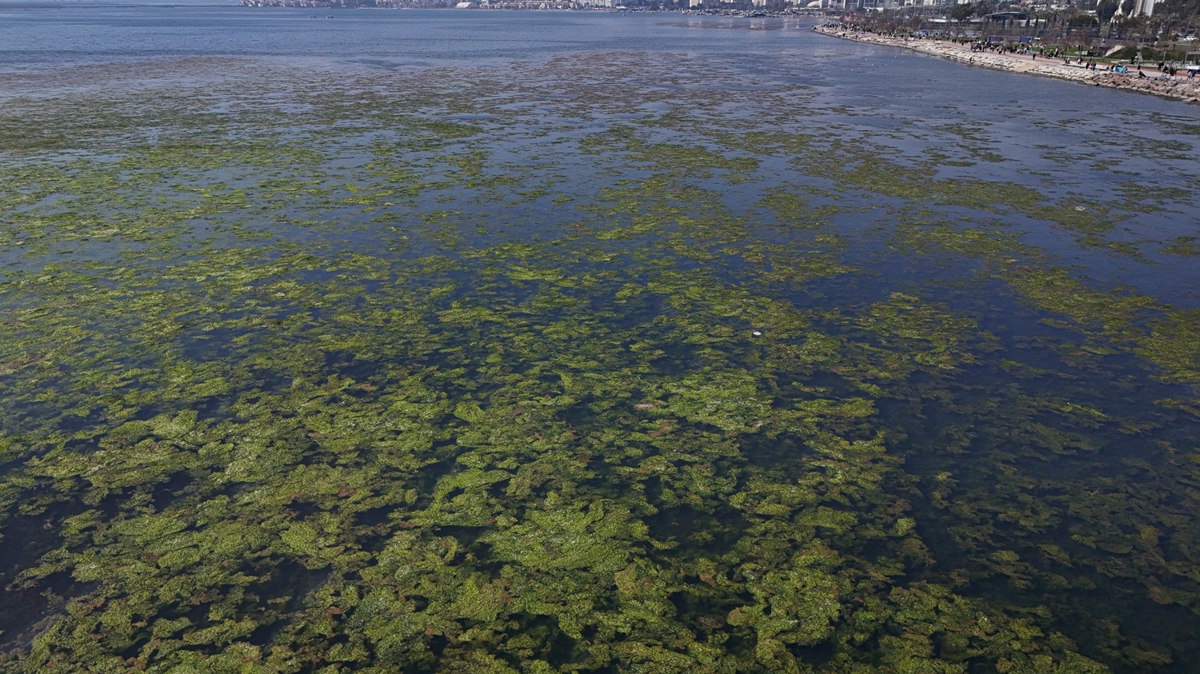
point(585, 342)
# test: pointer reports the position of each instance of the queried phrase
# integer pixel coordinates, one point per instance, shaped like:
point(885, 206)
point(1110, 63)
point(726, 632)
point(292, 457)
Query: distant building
point(888, 4)
point(1136, 7)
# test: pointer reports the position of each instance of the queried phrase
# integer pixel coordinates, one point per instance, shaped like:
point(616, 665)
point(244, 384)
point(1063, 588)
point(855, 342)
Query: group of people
point(1000, 48)
point(1172, 70)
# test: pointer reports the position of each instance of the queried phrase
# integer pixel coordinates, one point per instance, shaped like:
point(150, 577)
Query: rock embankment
point(1179, 86)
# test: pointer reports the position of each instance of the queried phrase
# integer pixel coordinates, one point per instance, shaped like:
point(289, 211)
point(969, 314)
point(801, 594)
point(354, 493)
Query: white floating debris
point(756, 333)
point(1081, 208)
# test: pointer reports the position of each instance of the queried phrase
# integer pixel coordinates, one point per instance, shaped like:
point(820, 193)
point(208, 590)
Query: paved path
point(1179, 87)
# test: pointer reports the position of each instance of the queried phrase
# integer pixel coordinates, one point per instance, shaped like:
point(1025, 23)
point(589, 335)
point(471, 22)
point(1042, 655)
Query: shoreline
point(1178, 87)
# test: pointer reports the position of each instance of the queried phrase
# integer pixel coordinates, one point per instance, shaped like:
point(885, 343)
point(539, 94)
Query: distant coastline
point(1178, 87)
point(613, 6)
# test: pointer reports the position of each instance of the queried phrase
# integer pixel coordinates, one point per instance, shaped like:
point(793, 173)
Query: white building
point(1137, 7)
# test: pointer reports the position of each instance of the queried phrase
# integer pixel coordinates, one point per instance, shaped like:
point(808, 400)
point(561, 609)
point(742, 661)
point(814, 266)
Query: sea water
point(585, 341)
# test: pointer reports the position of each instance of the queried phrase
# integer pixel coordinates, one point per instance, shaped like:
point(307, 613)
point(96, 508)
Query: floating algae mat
point(533, 368)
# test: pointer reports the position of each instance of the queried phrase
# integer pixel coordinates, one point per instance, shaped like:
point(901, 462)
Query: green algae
point(299, 404)
point(1184, 245)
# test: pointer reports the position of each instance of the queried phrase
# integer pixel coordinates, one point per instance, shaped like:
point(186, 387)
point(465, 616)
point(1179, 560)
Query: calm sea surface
point(533, 341)
point(1053, 135)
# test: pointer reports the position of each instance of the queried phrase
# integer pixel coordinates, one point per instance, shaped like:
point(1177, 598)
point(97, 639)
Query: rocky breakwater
point(1183, 88)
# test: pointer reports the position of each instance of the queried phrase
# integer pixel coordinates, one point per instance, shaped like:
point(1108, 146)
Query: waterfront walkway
point(1178, 86)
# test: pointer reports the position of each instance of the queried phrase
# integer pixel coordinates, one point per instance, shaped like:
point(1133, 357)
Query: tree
point(961, 13)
